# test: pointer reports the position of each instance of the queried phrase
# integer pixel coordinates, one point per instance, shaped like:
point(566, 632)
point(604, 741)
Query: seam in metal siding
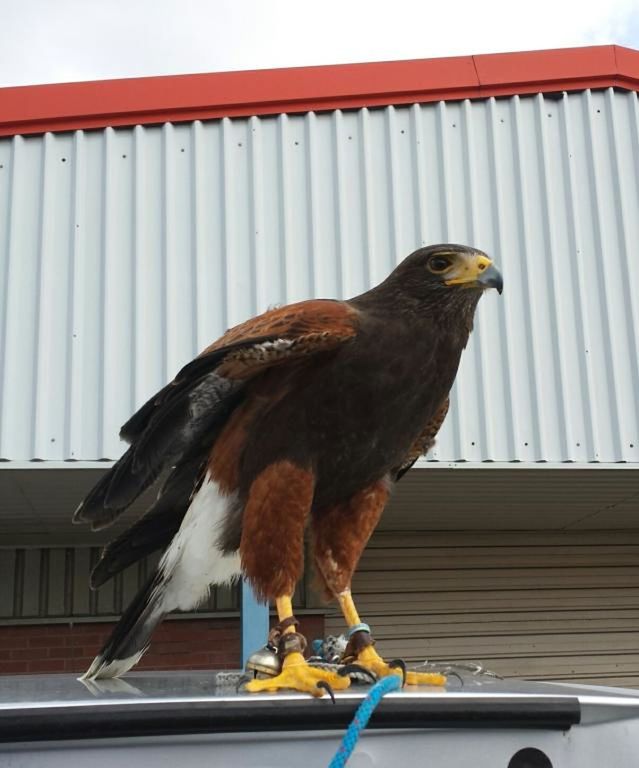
point(49, 583)
point(559, 605)
point(39, 584)
point(124, 252)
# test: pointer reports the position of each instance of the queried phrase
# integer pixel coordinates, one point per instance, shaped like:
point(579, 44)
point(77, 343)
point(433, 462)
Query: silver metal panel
point(48, 584)
point(124, 252)
point(45, 584)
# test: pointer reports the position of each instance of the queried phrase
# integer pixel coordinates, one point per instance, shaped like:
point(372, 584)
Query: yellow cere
point(470, 269)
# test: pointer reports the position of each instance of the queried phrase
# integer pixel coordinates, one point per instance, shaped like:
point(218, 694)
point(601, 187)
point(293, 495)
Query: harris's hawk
point(304, 416)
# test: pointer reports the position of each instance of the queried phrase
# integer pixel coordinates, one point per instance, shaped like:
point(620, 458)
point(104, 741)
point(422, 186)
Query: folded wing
point(174, 431)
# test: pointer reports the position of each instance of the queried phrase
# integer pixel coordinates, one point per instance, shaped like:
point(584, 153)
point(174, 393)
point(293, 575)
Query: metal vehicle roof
point(159, 719)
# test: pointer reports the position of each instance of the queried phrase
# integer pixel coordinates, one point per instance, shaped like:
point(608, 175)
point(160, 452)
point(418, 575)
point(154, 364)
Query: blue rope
point(362, 716)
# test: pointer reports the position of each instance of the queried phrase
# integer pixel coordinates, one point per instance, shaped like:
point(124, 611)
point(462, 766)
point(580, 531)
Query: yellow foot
point(370, 659)
point(299, 676)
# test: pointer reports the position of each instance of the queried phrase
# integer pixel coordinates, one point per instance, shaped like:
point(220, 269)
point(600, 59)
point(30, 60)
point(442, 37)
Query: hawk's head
point(452, 268)
point(443, 282)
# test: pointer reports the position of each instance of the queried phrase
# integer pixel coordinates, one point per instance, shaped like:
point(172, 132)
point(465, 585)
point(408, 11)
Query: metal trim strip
point(144, 718)
point(183, 98)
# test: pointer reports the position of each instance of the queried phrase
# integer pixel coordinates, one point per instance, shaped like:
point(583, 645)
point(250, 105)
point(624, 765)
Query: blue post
point(254, 622)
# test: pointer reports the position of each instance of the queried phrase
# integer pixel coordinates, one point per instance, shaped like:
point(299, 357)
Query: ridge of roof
point(178, 98)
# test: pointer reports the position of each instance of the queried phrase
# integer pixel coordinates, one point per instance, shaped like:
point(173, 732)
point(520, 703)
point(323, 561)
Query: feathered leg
point(272, 560)
point(340, 535)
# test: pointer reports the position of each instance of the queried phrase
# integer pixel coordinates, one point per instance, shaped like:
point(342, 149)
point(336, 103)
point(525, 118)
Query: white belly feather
point(194, 561)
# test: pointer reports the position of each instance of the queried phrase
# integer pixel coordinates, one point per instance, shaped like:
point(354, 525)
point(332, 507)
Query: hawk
point(300, 418)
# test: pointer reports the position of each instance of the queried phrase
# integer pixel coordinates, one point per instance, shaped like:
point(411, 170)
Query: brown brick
point(46, 630)
point(28, 653)
point(45, 665)
point(95, 641)
point(75, 665)
point(63, 653)
point(197, 659)
point(90, 653)
point(18, 631)
point(10, 641)
point(88, 646)
point(177, 645)
point(46, 642)
point(13, 667)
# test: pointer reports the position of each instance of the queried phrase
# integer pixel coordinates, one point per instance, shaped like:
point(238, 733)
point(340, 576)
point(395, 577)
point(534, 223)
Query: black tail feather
point(152, 532)
point(136, 425)
point(93, 508)
point(174, 431)
point(131, 635)
point(156, 529)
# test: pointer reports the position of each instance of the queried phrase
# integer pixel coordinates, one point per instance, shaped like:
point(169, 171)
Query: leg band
point(291, 642)
point(361, 627)
point(359, 640)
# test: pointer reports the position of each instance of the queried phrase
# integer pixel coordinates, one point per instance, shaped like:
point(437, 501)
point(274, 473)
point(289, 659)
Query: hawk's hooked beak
point(478, 271)
point(491, 278)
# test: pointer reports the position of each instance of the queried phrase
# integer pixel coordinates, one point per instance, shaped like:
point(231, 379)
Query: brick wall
point(177, 644)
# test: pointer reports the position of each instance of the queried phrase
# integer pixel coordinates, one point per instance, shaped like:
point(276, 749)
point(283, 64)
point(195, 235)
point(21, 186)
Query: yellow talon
point(299, 676)
point(370, 659)
point(368, 656)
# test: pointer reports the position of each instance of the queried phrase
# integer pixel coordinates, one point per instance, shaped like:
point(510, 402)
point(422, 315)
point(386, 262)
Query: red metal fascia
point(178, 98)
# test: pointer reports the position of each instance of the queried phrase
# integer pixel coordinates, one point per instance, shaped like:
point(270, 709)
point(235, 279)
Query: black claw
point(450, 673)
point(349, 669)
point(399, 664)
point(242, 681)
point(322, 684)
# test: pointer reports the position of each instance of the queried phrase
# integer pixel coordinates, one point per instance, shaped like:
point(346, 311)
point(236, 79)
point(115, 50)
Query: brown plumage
point(425, 440)
point(341, 532)
point(305, 414)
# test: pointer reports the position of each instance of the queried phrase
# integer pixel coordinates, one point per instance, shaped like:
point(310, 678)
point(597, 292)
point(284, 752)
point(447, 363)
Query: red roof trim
point(68, 106)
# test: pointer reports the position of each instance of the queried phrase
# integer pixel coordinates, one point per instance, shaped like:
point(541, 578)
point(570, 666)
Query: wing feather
point(156, 528)
point(192, 408)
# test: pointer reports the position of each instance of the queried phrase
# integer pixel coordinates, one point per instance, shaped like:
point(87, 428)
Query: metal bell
point(264, 662)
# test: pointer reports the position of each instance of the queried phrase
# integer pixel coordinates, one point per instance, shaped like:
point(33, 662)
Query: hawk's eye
point(438, 264)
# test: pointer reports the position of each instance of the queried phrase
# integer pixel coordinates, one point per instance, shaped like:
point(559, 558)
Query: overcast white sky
point(44, 41)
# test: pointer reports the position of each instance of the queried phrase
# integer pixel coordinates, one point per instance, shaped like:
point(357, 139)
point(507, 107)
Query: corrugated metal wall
point(44, 584)
point(543, 605)
point(48, 583)
point(124, 252)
